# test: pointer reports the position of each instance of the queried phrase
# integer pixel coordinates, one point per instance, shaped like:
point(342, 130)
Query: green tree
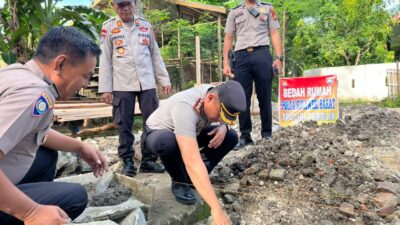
point(23, 22)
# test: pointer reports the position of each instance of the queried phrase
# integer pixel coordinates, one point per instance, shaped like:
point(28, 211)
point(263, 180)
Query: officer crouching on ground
point(63, 63)
point(181, 133)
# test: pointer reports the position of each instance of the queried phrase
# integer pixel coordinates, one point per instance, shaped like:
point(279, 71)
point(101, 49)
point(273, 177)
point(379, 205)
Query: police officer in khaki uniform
point(63, 63)
point(129, 67)
point(184, 133)
point(253, 24)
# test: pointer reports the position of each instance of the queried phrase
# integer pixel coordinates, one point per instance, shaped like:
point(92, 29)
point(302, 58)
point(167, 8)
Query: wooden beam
point(201, 6)
point(198, 61)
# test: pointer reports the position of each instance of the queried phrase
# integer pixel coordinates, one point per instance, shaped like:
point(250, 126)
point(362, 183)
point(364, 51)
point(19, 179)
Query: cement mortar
point(113, 195)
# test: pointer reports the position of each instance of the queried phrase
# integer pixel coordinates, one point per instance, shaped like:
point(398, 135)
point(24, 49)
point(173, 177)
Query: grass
point(391, 102)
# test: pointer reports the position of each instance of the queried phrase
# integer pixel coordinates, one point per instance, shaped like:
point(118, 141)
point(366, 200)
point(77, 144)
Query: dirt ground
point(310, 174)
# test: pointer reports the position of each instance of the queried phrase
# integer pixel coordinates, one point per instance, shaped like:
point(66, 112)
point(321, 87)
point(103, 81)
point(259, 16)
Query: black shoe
point(151, 167)
point(128, 168)
point(183, 193)
point(243, 142)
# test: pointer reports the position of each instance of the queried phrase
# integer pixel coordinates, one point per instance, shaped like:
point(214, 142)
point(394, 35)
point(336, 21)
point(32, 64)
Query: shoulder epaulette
point(237, 6)
point(265, 3)
point(141, 18)
point(109, 20)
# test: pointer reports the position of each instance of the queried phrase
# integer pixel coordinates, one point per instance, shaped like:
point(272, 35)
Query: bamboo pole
point(198, 63)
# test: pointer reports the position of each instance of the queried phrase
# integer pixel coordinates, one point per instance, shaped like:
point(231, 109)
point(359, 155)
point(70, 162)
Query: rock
point(229, 199)
point(394, 179)
point(347, 210)
point(264, 174)
point(232, 187)
point(244, 181)
point(237, 207)
point(285, 162)
point(379, 176)
point(385, 199)
point(107, 222)
point(135, 218)
point(329, 180)
point(252, 170)
point(364, 208)
point(307, 160)
point(308, 172)
point(295, 155)
point(277, 174)
point(387, 187)
point(385, 211)
point(362, 198)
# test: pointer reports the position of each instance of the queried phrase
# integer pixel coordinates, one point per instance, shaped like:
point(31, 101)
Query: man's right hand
point(107, 97)
point(219, 217)
point(46, 215)
point(227, 71)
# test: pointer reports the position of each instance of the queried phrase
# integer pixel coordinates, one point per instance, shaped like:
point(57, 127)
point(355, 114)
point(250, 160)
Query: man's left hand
point(94, 158)
point(278, 64)
point(166, 89)
point(219, 136)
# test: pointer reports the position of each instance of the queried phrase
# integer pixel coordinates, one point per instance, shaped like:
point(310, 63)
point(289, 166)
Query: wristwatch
point(280, 57)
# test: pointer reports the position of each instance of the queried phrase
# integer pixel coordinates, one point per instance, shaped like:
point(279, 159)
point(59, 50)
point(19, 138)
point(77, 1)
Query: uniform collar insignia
point(198, 106)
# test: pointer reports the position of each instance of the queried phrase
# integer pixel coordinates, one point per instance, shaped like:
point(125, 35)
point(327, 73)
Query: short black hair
point(70, 41)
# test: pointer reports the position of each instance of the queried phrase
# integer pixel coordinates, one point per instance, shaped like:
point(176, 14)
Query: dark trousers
point(255, 66)
point(163, 143)
point(38, 185)
point(123, 113)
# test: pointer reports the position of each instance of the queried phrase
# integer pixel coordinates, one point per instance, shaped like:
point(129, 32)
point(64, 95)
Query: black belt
point(253, 49)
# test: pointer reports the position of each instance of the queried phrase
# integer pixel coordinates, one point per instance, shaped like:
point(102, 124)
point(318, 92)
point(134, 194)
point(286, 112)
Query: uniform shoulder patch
point(42, 104)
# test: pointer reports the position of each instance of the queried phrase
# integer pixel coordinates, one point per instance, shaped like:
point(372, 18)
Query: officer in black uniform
point(253, 24)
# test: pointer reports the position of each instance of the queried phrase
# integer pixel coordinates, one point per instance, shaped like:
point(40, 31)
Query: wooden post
point(398, 78)
point(219, 48)
point(198, 63)
point(283, 42)
point(180, 57)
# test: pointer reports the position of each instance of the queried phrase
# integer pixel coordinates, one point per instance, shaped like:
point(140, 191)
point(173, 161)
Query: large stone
point(135, 218)
point(386, 211)
point(109, 212)
point(385, 199)
point(362, 198)
point(307, 160)
point(264, 174)
point(379, 176)
point(387, 187)
point(232, 187)
point(277, 174)
point(347, 210)
point(107, 222)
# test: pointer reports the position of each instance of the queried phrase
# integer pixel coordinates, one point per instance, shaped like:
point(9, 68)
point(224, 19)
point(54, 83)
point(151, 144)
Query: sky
point(66, 2)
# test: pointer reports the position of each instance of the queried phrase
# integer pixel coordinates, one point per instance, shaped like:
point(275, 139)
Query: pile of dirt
point(310, 174)
point(113, 195)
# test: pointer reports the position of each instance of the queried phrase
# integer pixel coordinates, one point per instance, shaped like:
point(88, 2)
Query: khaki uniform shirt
point(249, 30)
point(26, 107)
point(177, 113)
point(130, 59)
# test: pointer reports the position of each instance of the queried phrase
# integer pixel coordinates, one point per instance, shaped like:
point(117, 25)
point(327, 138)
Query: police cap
point(233, 101)
point(120, 1)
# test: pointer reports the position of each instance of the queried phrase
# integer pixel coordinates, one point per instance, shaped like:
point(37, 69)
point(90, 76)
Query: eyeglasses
point(124, 4)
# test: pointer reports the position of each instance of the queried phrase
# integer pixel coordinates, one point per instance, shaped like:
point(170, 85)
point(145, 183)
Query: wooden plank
point(69, 112)
point(211, 8)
